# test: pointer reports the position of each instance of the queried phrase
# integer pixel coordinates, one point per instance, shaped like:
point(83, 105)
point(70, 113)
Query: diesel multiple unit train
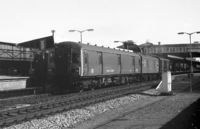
point(71, 66)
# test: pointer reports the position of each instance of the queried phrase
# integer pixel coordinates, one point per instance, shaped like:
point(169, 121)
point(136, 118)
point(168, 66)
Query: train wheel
point(127, 81)
point(92, 86)
point(80, 88)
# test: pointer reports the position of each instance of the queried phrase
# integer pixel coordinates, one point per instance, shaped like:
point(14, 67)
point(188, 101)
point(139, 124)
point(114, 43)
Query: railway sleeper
point(8, 121)
point(12, 113)
point(46, 106)
point(3, 117)
point(22, 111)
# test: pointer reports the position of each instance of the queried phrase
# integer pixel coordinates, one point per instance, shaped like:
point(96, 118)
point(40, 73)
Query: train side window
point(119, 59)
point(75, 56)
point(133, 61)
point(100, 58)
point(157, 64)
point(144, 63)
point(139, 61)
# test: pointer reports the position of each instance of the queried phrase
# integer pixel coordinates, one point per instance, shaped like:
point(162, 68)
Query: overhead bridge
point(175, 50)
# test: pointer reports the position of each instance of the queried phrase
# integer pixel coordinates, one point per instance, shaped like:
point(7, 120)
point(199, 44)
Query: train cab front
point(67, 61)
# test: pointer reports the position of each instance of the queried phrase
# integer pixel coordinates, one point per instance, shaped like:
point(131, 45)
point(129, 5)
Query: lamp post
point(191, 69)
point(53, 31)
point(81, 32)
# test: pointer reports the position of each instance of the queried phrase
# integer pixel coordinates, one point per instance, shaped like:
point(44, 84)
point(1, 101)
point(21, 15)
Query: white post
point(165, 86)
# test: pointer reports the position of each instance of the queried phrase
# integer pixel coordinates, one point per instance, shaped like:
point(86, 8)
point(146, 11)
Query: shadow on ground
point(187, 119)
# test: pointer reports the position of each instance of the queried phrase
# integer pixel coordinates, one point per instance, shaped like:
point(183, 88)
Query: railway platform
point(2, 77)
point(181, 110)
point(12, 82)
point(13, 86)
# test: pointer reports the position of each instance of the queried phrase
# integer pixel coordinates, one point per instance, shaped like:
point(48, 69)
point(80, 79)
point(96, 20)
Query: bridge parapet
point(182, 50)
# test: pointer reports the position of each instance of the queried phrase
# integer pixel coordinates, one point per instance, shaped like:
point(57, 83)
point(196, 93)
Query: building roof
point(7, 43)
point(49, 42)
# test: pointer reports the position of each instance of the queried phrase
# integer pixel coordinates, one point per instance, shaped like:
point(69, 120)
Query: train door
point(133, 64)
point(85, 64)
point(119, 64)
point(93, 63)
point(63, 60)
point(137, 65)
point(100, 62)
point(75, 61)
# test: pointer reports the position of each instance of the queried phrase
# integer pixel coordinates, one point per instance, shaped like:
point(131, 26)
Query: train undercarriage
point(65, 84)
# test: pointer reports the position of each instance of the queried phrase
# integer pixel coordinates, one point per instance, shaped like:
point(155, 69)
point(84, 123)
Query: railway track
point(19, 92)
point(56, 104)
point(30, 99)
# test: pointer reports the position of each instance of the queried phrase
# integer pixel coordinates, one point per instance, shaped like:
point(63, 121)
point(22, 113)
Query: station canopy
point(40, 43)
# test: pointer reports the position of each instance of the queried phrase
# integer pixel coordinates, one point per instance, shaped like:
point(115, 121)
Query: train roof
point(160, 58)
point(99, 48)
point(148, 56)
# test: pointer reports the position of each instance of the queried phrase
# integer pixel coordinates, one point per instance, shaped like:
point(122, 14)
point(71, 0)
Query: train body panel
point(111, 63)
point(128, 64)
point(105, 61)
point(150, 64)
point(92, 63)
point(163, 65)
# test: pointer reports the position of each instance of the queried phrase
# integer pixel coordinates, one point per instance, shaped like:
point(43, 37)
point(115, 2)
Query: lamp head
point(71, 30)
point(181, 33)
point(90, 29)
point(198, 32)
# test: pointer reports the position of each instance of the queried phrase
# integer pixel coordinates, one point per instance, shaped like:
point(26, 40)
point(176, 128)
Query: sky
point(112, 20)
